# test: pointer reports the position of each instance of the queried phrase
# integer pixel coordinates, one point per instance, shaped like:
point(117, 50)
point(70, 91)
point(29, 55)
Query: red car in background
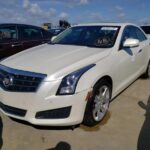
point(18, 37)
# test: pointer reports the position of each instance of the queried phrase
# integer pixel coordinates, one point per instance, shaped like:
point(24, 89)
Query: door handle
point(16, 44)
point(140, 51)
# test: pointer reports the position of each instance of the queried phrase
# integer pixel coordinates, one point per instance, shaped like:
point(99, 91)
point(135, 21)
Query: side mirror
point(131, 43)
point(53, 38)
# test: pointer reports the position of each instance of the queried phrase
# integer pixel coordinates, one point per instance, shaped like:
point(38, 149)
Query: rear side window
point(146, 29)
point(140, 35)
point(30, 33)
point(8, 33)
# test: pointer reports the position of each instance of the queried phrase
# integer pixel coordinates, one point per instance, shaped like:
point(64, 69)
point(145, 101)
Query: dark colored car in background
point(56, 31)
point(146, 29)
point(18, 37)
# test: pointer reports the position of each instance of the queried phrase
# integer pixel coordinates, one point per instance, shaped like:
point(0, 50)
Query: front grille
point(14, 80)
point(59, 113)
point(13, 110)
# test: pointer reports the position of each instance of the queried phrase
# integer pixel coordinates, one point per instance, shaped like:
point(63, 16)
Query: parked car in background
point(18, 37)
point(146, 29)
point(56, 31)
point(73, 79)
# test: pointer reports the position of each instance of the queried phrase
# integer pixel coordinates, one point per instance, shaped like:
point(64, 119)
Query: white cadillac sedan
point(72, 79)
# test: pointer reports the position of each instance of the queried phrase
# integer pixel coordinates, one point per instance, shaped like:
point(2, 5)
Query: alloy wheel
point(101, 102)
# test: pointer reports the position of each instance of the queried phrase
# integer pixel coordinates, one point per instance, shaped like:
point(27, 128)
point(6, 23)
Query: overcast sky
point(75, 11)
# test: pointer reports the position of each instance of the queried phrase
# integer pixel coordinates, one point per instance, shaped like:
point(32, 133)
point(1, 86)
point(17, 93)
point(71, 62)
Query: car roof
point(148, 25)
point(106, 24)
point(3, 24)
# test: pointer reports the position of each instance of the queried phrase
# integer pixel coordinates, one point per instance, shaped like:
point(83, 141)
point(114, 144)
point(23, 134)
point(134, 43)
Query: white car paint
point(57, 61)
point(148, 35)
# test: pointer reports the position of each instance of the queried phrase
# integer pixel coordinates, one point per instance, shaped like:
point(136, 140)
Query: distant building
point(47, 26)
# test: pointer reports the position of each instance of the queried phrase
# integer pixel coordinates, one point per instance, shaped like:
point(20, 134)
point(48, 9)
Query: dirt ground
point(125, 127)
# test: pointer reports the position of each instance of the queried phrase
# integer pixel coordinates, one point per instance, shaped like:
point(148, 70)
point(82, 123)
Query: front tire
point(98, 104)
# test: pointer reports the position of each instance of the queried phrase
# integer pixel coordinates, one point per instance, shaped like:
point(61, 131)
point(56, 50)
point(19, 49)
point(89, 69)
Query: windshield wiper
point(96, 46)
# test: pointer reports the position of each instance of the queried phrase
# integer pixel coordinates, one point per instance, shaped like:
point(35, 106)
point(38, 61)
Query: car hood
point(55, 60)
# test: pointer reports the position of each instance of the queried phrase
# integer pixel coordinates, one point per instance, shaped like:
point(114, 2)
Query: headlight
point(69, 82)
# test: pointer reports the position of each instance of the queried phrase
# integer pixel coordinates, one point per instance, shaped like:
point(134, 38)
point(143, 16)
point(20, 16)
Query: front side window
point(93, 36)
point(140, 35)
point(8, 33)
point(126, 34)
point(129, 32)
point(30, 33)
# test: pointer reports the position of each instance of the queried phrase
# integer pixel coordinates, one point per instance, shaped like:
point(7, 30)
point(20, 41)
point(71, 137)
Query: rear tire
point(98, 104)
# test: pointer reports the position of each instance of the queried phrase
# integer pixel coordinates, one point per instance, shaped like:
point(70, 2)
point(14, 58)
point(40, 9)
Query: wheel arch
point(107, 78)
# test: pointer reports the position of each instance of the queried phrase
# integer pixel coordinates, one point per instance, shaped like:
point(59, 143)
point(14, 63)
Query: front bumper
point(42, 100)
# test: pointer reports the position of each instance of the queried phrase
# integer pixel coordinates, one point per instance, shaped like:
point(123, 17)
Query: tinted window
point(30, 33)
point(93, 36)
point(146, 29)
point(8, 33)
point(132, 32)
point(126, 35)
point(129, 32)
point(140, 35)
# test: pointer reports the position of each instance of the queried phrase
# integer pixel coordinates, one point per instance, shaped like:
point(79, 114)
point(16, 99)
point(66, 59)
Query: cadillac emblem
point(8, 81)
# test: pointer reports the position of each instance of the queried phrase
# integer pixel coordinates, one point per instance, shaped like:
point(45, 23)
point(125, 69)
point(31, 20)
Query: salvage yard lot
point(125, 127)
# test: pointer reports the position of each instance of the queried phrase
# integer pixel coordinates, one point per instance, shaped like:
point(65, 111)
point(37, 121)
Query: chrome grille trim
point(23, 81)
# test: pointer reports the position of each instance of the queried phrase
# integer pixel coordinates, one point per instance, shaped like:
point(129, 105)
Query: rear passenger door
point(30, 36)
point(143, 47)
point(9, 41)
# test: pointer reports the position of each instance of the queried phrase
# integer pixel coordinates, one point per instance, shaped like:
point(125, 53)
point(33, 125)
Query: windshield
point(146, 29)
point(94, 36)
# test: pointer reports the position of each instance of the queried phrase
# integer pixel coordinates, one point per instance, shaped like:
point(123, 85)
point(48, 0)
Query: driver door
point(127, 60)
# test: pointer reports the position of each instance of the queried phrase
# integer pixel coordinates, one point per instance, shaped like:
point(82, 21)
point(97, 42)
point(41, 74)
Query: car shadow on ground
point(61, 146)
point(144, 137)
point(45, 127)
point(1, 129)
